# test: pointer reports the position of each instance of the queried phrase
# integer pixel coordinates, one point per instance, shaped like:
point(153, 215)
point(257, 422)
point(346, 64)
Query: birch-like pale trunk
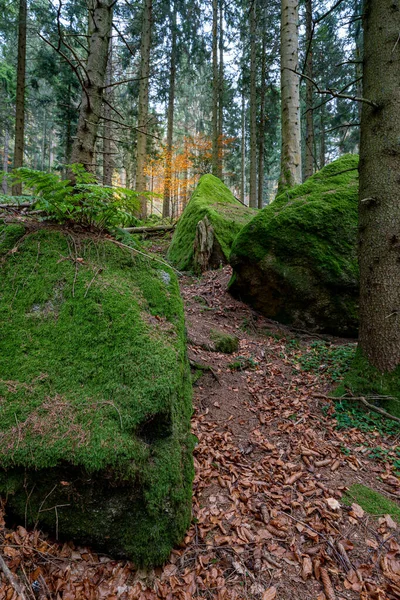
point(99, 32)
point(290, 96)
point(143, 104)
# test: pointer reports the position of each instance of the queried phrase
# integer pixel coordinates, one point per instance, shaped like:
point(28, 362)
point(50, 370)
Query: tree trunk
point(379, 207)
point(261, 129)
point(215, 86)
point(99, 32)
point(253, 108)
point(221, 90)
point(290, 96)
point(322, 137)
point(108, 161)
point(243, 149)
point(20, 99)
point(143, 106)
point(170, 127)
point(309, 158)
point(4, 185)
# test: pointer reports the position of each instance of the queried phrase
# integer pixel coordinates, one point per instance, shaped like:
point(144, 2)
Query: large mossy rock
point(205, 232)
point(95, 393)
point(296, 261)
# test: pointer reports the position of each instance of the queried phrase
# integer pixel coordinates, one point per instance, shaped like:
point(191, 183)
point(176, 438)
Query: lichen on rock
point(296, 261)
point(205, 232)
point(95, 393)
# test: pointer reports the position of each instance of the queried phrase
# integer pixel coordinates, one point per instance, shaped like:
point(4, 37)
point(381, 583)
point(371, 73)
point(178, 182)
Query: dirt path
point(271, 469)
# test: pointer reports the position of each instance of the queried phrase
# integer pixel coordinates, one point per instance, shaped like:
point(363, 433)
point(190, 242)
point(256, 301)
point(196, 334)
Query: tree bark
point(290, 96)
point(322, 137)
point(215, 86)
point(20, 98)
point(99, 32)
point(309, 158)
point(221, 89)
point(170, 127)
point(261, 129)
point(243, 149)
point(4, 185)
point(143, 105)
point(108, 161)
point(379, 206)
point(253, 108)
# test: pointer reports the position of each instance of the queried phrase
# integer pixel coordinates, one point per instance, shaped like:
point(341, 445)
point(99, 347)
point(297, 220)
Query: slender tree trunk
point(4, 185)
point(215, 86)
point(99, 31)
point(379, 207)
point(143, 107)
point(261, 129)
point(309, 158)
point(290, 96)
point(20, 99)
point(322, 137)
point(243, 149)
point(221, 90)
point(170, 126)
point(108, 161)
point(185, 170)
point(253, 108)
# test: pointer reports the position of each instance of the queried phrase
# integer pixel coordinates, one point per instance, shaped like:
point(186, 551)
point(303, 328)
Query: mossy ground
point(296, 260)
point(226, 214)
point(362, 379)
point(95, 394)
point(372, 502)
point(224, 342)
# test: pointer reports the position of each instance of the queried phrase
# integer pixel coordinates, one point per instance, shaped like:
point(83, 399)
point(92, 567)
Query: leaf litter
point(271, 469)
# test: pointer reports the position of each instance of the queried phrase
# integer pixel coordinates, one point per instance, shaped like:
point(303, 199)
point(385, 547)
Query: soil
point(271, 468)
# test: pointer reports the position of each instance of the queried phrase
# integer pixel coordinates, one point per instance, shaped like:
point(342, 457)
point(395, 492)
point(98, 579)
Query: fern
point(85, 203)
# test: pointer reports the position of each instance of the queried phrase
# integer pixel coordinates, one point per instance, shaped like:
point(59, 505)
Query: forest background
point(185, 82)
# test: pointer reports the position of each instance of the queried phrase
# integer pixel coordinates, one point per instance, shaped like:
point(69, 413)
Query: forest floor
point(272, 465)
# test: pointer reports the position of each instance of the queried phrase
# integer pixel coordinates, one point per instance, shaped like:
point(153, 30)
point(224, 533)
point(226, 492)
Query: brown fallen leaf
point(269, 594)
point(356, 511)
point(307, 568)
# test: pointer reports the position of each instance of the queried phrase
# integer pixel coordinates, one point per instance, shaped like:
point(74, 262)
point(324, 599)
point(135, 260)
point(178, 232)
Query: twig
point(99, 270)
point(16, 584)
point(149, 256)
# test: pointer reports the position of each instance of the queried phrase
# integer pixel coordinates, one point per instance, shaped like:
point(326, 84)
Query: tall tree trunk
point(4, 185)
point(253, 108)
point(261, 129)
point(108, 161)
point(322, 137)
point(309, 158)
point(221, 89)
point(215, 86)
point(379, 206)
point(290, 96)
point(99, 31)
point(243, 149)
point(20, 99)
point(170, 127)
point(143, 105)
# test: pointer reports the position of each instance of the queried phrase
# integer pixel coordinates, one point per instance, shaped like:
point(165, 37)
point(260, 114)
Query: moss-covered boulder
point(205, 232)
point(296, 261)
point(95, 393)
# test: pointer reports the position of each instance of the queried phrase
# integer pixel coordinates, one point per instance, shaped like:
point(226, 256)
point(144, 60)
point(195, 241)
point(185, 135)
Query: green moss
point(365, 380)
point(224, 342)
point(226, 214)
point(95, 388)
point(372, 502)
point(296, 261)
